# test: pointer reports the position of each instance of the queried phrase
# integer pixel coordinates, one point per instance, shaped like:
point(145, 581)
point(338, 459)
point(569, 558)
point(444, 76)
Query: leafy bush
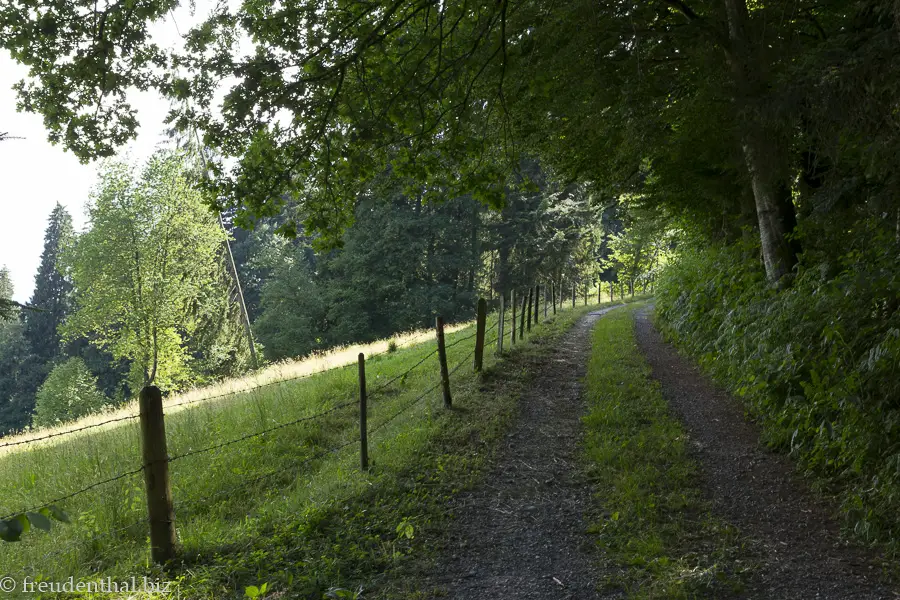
point(69, 393)
point(817, 364)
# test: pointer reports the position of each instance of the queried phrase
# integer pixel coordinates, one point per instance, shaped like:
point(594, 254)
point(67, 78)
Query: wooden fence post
point(530, 294)
point(512, 303)
point(574, 292)
point(544, 287)
point(500, 324)
point(585, 293)
point(363, 414)
point(553, 295)
point(522, 317)
point(480, 322)
point(442, 357)
point(156, 476)
point(611, 291)
point(537, 303)
point(599, 291)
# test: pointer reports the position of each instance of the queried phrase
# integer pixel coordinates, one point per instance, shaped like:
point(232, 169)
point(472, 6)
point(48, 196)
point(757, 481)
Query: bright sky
point(35, 175)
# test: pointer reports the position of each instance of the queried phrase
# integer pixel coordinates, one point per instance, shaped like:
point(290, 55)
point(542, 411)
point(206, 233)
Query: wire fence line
point(220, 445)
point(480, 330)
point(229, 394)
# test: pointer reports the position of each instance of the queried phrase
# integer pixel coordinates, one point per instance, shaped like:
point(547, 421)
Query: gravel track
point(794, 534)
point(521, 533)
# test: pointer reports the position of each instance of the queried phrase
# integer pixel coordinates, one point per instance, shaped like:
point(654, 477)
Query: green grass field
point(278, 508)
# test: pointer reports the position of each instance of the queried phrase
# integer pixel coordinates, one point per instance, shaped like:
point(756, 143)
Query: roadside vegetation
point(278, 509)
point(816, 363)
point(654, 531)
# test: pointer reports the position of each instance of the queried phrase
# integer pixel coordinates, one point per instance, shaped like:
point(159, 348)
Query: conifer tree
point(52, 290)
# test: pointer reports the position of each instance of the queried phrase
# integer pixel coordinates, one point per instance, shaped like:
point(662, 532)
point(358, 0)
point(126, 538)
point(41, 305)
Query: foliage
point(143, 269)
point(53, 289)
point(651, 520)
point(69, 393)
point(12, 528)
point(14, 409)
point(816, 364)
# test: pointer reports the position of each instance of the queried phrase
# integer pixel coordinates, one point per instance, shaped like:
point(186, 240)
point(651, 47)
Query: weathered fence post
point(363, 413)
point(585, 293)
point(156, 476)
point(480, 322)
point(442, 357)
point(574, 292)
point(553, 295)
point(500, 324)
point(544, 287)
point(522, 317)
point(512, 303)
point(599, 291)
point(537, 303)
point(530, 294)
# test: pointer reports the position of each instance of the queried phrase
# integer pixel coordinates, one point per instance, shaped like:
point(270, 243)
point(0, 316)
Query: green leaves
point(147, 270)
point(12, 529)
point(253, 592)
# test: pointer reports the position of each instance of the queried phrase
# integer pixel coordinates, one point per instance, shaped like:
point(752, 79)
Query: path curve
point(758, 491)
point(520, 535)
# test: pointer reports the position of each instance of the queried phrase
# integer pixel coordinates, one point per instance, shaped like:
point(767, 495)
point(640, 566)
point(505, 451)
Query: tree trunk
point(764, 153)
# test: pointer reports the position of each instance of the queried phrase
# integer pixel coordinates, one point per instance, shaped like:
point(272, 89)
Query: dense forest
point(378, 165)
point(145, 293)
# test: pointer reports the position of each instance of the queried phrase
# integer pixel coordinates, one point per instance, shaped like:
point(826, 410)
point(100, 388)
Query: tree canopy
point(716, 107)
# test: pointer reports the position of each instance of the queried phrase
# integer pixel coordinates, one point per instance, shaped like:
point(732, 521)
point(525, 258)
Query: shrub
point(70, 392)
point(816, 363)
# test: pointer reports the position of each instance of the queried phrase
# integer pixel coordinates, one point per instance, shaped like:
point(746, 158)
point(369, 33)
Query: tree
point(52, 291)
point(14, 413)
point(142, 269)
point(69, 393)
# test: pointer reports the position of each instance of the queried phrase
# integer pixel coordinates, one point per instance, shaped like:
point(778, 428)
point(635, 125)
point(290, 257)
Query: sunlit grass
point(233, 497)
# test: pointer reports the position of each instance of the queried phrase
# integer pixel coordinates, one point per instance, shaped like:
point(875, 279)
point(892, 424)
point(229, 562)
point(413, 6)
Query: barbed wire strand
point(407, 372)
point(244, 438)
point(76, 493)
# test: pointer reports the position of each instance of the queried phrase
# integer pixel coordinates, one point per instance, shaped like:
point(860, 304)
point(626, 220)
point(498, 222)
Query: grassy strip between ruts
point(657, 536)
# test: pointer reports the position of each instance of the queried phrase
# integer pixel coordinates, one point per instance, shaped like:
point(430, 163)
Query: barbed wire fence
point(161, 507)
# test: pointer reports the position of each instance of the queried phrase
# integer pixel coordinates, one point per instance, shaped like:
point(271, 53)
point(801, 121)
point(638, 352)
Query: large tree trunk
point(774, 207)
point(763, 149)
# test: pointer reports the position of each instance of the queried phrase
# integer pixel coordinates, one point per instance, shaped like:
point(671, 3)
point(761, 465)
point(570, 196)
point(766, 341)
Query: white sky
point(35, 175)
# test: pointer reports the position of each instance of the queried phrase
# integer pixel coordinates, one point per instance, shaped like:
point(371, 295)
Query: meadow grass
point(272, 508)
point(657, 535)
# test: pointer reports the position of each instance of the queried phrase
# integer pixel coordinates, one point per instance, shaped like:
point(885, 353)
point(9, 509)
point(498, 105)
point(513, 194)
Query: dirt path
point(758, 491)
point(520, 534)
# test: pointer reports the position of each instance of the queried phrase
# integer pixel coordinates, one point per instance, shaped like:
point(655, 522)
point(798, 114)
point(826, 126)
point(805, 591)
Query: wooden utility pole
point(442, 356)
point(160, 508)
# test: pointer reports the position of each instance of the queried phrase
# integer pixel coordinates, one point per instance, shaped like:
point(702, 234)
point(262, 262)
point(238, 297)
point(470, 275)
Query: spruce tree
point(52, 290)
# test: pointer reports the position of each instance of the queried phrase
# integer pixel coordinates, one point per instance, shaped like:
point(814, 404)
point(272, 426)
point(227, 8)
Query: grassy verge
point(274, 509)
point(656, 533)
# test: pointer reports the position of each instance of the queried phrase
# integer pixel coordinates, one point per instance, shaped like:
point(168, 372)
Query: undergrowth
point(817, 364)
point(655, 531)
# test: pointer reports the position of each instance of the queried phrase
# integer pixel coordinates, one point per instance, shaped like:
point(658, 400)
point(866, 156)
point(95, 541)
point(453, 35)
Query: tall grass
point(238, 493)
